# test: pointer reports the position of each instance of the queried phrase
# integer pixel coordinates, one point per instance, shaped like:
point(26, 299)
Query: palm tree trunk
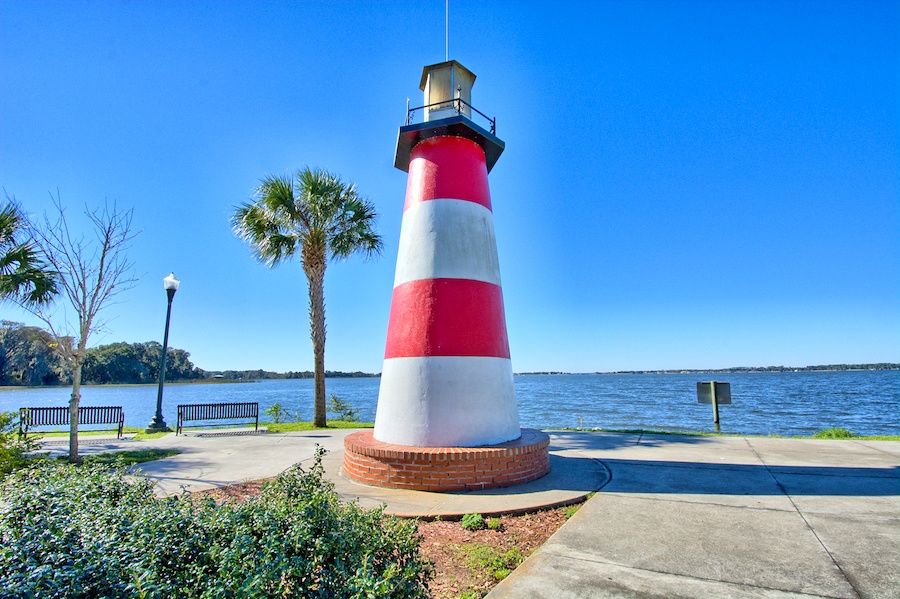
point(315, 274)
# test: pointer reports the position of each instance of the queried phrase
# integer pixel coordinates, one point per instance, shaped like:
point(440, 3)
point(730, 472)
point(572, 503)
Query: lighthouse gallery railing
point(454, 104)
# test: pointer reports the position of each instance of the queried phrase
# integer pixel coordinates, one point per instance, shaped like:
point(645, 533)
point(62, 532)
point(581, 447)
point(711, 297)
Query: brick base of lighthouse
point(443, 469)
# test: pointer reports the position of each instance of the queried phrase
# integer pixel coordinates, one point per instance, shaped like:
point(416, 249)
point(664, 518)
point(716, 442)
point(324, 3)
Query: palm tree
point(320, 216)
point(25, 278)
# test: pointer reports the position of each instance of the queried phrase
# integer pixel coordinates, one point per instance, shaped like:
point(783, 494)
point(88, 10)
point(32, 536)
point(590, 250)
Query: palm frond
point(315, 209)
point(277, 194)
point(355, 232)
point(264, 231)
point(25, 276)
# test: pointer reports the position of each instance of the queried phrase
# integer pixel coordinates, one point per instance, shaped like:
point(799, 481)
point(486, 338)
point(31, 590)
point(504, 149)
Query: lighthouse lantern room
point(448, 111)
point(448, 90)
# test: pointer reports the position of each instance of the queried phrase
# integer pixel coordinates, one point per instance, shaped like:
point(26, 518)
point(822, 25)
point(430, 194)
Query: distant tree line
point(266, 374)
point(137, 363)
point(818, 368)
point(27, 358)
point(542, 373)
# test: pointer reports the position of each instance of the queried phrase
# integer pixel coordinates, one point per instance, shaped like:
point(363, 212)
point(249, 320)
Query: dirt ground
point(460, 571)
point(466, 564)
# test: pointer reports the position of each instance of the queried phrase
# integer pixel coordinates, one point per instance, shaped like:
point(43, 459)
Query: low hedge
point(13, 450)
point(94, 531)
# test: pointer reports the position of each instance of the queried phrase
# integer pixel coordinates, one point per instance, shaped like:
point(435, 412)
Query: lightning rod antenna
point(447, 29)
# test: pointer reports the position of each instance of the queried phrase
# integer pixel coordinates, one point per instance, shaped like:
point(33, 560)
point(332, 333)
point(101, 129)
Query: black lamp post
point(158, 424)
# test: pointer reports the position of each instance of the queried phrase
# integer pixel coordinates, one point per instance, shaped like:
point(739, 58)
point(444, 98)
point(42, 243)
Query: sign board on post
point(723, 392)
point(714, 393)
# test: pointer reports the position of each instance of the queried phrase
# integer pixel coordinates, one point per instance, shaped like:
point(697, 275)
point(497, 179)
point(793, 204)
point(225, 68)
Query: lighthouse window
point(440, 86)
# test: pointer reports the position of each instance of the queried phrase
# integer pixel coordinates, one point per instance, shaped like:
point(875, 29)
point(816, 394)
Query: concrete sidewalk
point(725, 517)
point(674, 516)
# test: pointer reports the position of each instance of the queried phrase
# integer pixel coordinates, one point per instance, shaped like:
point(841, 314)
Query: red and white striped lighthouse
point(447, 417)
point(447, 378)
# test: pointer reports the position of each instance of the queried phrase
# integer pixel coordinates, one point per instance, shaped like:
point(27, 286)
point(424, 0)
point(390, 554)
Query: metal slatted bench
point(217, 411)
point(59, 416)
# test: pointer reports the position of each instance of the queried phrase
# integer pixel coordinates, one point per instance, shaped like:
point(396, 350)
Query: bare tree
point(91, 273)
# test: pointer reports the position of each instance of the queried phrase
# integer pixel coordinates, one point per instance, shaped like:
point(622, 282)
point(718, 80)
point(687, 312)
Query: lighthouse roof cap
point(443, 65)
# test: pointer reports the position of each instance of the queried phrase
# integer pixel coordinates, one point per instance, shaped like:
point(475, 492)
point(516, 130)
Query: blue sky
point(685, 184)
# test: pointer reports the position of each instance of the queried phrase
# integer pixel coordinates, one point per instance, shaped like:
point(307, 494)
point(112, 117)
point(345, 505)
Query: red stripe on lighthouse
point(447, 167)
point(447, 317)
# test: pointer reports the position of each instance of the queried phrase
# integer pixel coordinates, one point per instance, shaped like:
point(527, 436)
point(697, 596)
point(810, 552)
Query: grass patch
point(127, 458)
point(281, 427)
point(646, 431)
point(290, 427)
point(833, 433)
point(497, 563)
point(842, 433)
point(570, 510)
point(138, 433)
point(830, 433)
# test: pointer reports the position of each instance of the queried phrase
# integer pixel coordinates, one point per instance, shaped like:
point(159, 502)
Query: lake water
point(780, 403)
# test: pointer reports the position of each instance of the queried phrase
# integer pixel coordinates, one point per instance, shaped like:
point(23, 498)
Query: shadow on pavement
point(650, 476)
point(562, 440)
point(576, 474)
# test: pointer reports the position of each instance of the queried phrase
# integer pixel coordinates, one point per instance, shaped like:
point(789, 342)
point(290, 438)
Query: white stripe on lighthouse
point(447, 239)
point(446, 401)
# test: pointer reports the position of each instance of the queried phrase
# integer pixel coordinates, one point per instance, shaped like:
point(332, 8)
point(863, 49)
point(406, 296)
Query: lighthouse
point(447, 377)
point(447, 392)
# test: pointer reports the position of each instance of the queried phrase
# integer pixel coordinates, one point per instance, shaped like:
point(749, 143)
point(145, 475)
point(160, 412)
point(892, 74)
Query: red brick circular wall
point(372, 462)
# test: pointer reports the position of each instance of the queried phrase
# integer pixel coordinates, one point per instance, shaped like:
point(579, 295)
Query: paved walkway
point(674, 516)
point(725, 517)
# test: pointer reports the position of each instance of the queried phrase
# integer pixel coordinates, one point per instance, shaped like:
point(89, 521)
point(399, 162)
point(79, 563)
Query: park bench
point(59, 416)
point(217, 411)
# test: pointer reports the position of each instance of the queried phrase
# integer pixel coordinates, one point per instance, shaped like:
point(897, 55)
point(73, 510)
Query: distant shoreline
point(886, 366)
point(735, 369)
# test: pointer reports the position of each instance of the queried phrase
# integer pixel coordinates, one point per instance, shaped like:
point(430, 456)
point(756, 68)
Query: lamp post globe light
point(158, 425)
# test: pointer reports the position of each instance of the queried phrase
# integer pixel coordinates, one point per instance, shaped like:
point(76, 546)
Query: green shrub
point(13, 450)
point(833, 433)
point(494, 524)
point(473, 522)
point(94, 531)
point(275, 411)
point(344, 410)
